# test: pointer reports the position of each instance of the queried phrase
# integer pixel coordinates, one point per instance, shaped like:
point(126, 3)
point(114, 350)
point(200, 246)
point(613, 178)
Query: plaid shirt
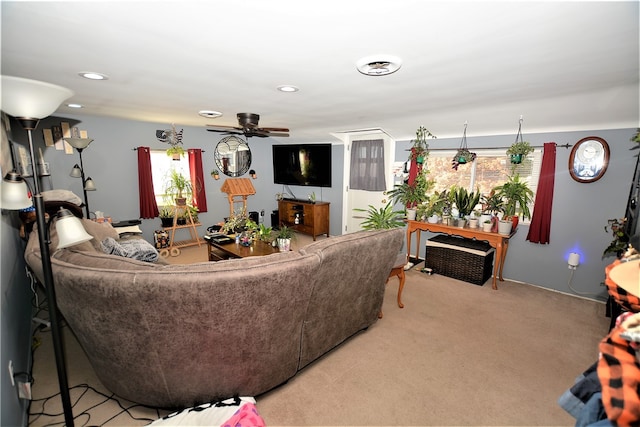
point(626, 300)
point(619, 373)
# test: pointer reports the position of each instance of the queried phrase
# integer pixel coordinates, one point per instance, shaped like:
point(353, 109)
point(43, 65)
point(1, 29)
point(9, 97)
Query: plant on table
point(516, 195)
point(466, 201)
point(178, 188)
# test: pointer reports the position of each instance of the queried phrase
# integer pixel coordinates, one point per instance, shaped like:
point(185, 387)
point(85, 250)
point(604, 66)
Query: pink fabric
point(540, 228)
point(246, 416)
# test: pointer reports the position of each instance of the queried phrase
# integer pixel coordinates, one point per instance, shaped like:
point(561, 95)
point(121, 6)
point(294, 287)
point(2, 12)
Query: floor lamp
point(29, 101)
point(78, 171)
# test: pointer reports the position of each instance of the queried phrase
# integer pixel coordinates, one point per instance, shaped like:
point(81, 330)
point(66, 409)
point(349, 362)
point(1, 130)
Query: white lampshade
point(79, 143)
point(15, 192)
point(70, 230)
point(89, 185)
point(76, 172)
point(31, 98)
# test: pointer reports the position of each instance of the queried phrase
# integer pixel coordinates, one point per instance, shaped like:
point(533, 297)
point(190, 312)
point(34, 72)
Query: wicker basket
point(463, 259)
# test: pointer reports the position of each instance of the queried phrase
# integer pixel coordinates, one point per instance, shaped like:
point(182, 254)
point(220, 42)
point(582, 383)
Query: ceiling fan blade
point(234, 129)
point(275, 129)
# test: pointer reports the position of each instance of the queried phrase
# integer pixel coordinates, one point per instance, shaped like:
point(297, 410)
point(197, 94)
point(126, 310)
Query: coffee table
point(219, 251)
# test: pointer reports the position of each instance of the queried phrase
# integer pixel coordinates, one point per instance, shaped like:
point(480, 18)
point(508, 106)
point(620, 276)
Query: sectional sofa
point(175, 336)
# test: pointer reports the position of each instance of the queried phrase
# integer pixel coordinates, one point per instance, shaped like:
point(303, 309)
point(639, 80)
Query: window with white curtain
point(162, 165)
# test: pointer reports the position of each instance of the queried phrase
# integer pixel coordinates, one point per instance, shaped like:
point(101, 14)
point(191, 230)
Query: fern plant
point(381, 218)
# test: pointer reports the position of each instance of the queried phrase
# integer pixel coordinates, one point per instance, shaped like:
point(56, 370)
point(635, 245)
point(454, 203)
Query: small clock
point(589, 159)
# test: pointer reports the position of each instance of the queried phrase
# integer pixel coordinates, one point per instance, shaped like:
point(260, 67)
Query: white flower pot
point(284, 245)
point(473, 223)
point(411, 214)
point(485, 217)
point(486, 227)
point(504, 227)
point(433, 219)
point(461, 222)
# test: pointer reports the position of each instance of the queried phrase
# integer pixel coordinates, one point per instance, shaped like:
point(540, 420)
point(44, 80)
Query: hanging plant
point(420, 148)
point(519, 149)
point(463, 155)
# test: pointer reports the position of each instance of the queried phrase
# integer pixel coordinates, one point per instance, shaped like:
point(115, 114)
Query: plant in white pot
point(283, 237)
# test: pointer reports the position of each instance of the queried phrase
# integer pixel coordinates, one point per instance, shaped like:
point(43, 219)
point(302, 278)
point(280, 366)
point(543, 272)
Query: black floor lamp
point(78, 171)
point(29, 101)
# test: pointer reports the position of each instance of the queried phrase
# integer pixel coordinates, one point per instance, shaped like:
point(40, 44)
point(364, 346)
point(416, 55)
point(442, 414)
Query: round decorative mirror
point(589, 159)
point(233, 156)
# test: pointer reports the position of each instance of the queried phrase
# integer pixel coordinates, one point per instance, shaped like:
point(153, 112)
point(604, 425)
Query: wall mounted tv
point(302, 164)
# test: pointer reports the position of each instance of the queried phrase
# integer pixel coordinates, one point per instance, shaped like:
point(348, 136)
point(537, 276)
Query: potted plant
point(284, 236)
point(166, 216)
point(465, 203)
point(620, 242)
point(462, 157)
point(175, 152)
point(412, 195)
point(518, 151)
point(420, 148)
point(381, 218)
point(215, 174)
point(487, 225)
point(178, 188)
point(264, 233)
point(517, 196)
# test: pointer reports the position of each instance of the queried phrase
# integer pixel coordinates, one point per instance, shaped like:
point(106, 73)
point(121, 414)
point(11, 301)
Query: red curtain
point(197, 179)
point(540, 228)
point(148, 205)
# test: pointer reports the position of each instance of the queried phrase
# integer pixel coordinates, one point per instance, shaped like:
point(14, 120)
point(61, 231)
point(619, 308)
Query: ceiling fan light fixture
point(379, 65)
point(210, 114)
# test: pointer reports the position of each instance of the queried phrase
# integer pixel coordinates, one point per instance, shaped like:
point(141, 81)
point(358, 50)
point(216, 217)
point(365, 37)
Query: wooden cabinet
point(305, 217)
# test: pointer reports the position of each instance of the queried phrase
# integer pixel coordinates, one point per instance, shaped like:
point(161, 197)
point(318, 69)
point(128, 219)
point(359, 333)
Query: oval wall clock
point(589, 159)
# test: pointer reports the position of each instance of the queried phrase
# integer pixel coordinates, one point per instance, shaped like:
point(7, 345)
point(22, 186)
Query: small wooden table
point(236, 250)
point(498, 241)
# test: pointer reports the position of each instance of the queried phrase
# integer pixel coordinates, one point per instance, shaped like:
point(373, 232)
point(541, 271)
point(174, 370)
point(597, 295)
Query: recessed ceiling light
point(74, 105)
point(210, 114)
point(93, 76)
point(379, 65)
point(288, 88)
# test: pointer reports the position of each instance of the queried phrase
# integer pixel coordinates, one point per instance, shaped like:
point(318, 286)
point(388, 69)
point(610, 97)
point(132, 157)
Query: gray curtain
point(367, 165)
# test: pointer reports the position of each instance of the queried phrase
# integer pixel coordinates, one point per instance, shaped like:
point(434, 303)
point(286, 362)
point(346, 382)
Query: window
point(162, 165)
point(489, 170)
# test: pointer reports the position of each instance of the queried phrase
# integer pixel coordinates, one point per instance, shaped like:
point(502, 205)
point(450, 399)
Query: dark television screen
point(302, 164)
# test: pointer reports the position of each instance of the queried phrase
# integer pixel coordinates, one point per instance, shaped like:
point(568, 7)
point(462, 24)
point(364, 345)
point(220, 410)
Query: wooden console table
point(498, 241)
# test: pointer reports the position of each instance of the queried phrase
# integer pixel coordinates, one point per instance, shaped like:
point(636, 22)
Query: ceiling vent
point(380, 65)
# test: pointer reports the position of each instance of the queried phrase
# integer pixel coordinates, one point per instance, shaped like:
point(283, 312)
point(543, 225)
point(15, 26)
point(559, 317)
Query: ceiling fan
point(248, 126)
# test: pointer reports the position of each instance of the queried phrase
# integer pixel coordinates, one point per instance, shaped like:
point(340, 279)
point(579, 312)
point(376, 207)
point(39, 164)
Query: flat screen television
point(302, 164)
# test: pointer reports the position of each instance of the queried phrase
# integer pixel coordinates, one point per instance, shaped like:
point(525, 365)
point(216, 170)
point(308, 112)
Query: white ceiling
point(560, 65)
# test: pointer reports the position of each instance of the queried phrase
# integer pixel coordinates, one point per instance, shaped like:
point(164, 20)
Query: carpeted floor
point(457, 354)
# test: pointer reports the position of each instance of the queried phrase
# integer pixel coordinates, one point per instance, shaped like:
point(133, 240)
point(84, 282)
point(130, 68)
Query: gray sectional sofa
point(175, 336)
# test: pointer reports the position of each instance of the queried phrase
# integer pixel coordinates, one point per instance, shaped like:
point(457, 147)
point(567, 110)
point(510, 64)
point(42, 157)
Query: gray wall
point(580, 211)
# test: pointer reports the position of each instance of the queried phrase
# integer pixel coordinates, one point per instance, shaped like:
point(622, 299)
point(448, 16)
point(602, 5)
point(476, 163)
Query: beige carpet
point(457, 354)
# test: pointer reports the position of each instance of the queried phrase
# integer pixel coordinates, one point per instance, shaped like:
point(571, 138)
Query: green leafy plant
point(620, 242)
point(516, 195)
point(178, 186)
point(420, 148)
point(462, 157)
point(165, 212)
point(175, 151)
point(492, 203)
point(381, 218)
point(239, 222)
point(410, 196)
point(465, 201)
point(264, 233)
point(285, 232)
point(520, 147)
